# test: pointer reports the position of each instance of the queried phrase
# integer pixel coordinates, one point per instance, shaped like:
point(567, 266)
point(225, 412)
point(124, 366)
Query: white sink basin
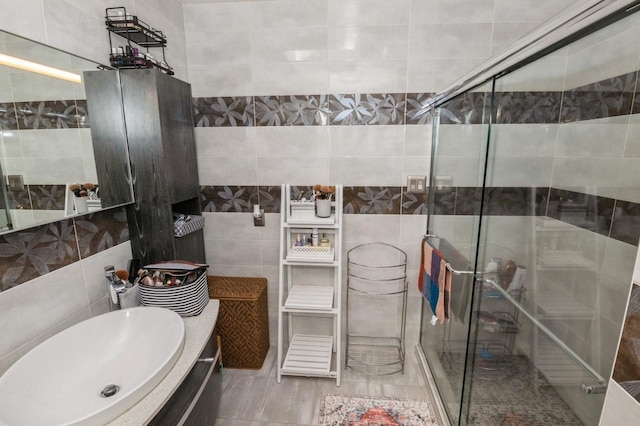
point(60, 381)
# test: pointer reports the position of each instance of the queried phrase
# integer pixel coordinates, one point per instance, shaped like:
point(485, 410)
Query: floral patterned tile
point(234, 111)
point(305, 110)
point(46, 115)
point(625, 226)
point(19, 199)
point(417, 111)
point(589, 212)
point(508, 201)
point(101, 230)
point(468, 108)
point(606, 98)
point(239, 199)
point(34, 252)
point(527, 107)
point(467, 201)
point(372, 199)
point(8, 118)
point(414, 203)
point(47, 197)
point(270, 198)
point(367, 109)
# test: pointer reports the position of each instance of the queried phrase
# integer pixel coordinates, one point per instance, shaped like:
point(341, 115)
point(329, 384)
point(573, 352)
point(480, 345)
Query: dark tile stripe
point(606, 216)
point(101, 230)
point(33, 252)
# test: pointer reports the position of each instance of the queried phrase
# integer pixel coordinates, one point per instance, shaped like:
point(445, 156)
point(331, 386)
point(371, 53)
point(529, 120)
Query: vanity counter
point(197, 332)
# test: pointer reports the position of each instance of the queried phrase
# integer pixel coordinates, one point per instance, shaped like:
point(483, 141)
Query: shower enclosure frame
point(596, 15)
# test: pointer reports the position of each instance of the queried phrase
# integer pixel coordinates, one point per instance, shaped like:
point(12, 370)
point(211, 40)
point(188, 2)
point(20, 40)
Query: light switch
point(15, 182)
point(417, 185)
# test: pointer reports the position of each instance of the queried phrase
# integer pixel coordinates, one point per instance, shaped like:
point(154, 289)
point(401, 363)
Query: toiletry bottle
point(314, 238)
point(324, 241)
point(298, 240)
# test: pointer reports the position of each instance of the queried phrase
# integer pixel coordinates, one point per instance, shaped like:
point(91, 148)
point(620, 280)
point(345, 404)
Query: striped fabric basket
point(181, 228)
point(188, 299)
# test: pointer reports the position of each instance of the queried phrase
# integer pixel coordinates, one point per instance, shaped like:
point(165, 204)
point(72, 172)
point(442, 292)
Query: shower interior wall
point(585, 151)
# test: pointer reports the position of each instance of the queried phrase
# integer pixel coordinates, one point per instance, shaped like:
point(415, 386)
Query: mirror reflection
point(46, 152)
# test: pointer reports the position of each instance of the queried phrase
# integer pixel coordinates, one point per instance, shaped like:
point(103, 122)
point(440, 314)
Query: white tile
point(523, 140)
point(520, 171)
point(367, 76)
point(10, 144)
point(545, 74)
point(368, 43)
point(602, 58)
point(632, 147)
point(453, 11)
point(290, 78)
point(357, 229)
point(504, 34)
point(234, 252)
point(53, 170)
point(63, 24)
point(417, 140)
point(294, 170)
point(293, 141)
point(289, 14)
point(363, 141)
point(289, 45)
point(584, 138)
point(8, 359)
point(217, 16)
point(220, 80)
point(629, 183)
point(51, 143)
point(228, 171)
point(16, 14)
point(218, 48)
point(620, 408)
point(214, 142)
point(34, 87)
point(52, 299)
point(416, 166)
point(435, 75)
point(452, 41)
point(596, 176)
point(368, 12)
point(367, 170)
point(463, 140)
point(230, 226)
point(463, 170)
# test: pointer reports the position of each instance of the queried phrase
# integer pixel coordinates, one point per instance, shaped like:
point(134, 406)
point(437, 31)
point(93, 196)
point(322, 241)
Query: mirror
point(46, 148)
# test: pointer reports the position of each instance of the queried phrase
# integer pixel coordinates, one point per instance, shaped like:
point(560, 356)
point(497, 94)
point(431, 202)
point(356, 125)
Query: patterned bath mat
point(375, 411)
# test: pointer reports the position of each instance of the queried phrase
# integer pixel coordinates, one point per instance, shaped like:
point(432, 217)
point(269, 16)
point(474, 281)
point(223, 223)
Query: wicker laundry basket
point(243, 320)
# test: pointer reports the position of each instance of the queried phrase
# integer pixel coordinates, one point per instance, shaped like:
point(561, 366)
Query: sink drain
point(109, 390)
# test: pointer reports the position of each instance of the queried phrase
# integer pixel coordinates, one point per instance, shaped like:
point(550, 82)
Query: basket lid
point(248, 288)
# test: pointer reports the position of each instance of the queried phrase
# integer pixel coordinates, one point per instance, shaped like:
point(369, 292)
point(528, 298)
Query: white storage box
point(303, 209)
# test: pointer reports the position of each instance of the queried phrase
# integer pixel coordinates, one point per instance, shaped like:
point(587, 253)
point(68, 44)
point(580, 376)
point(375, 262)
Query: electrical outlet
point(417, 185)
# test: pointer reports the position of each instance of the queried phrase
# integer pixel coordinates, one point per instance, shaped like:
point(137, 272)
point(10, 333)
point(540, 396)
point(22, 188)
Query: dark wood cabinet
point(164, 169)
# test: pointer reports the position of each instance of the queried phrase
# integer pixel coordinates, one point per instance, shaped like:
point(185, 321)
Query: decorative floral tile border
point(37, 251)
point(305, 110)
point(33, 252)
point(101, 230)
point(614, 218)
point(48, 114)
point(223, 111)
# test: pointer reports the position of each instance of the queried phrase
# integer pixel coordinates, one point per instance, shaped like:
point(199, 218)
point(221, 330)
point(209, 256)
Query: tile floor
point(254, 397)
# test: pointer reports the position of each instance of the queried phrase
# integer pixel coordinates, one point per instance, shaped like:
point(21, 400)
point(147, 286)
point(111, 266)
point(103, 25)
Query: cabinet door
point(176, 118)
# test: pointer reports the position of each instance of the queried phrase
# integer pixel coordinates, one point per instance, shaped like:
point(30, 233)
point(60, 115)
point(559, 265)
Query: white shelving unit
point(303, 293)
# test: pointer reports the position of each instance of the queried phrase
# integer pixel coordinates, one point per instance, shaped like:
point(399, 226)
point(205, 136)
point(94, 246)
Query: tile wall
point(53, 275)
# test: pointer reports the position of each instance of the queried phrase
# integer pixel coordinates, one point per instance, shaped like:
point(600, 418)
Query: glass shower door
point(458, 162)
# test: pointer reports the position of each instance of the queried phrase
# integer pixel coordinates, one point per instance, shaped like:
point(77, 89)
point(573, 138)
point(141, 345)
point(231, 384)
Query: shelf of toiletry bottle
point(134, 29)
point(310, 223)
point(134, 62)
